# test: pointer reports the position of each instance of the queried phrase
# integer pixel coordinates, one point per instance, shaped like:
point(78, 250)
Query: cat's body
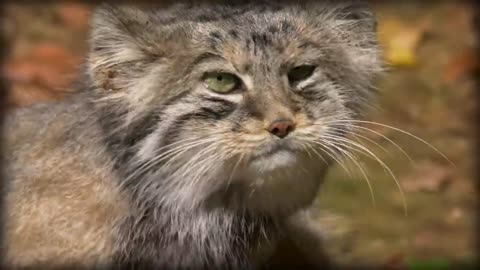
point(154, 164)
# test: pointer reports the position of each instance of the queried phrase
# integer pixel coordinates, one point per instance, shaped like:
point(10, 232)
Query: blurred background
point(427, 92)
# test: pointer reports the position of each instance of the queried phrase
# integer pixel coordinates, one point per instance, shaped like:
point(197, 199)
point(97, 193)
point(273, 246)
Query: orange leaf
point(75, 15)
point(461, 65)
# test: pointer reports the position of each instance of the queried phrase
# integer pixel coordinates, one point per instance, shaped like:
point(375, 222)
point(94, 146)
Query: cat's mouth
point(273, 156)
point(270, 151)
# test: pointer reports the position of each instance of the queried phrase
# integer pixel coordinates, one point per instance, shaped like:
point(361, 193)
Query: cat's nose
point(281, 127)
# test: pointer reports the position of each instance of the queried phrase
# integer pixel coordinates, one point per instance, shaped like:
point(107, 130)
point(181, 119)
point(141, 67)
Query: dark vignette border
point(4, 86)
point(3, 99)
point(476, 74)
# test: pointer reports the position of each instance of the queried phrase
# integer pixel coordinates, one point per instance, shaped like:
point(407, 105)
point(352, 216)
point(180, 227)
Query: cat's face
point(247, 100)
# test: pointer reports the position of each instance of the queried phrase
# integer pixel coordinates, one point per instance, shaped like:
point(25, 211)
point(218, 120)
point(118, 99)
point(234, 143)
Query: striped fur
point(204, 182)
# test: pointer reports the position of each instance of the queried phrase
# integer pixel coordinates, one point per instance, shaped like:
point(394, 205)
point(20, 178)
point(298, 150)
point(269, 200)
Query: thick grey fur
point(143, 90)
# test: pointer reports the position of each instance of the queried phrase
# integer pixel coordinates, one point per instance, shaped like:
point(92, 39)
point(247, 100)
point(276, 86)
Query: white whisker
point(361, 147)
point(357, 136)
point(399, 130)
point(332, 156)
point(352, 157)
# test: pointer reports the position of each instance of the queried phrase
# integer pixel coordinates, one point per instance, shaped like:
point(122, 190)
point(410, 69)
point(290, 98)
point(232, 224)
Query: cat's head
point(245, 103)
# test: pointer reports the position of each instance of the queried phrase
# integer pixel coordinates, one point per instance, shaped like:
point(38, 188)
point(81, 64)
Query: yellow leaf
point(400, 41)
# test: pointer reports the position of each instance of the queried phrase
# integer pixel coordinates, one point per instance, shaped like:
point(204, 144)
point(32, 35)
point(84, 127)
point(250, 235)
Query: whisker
point(357, 136)
point(172, 154)
point(352, 157)
point(389, 140)
point(399, 130)
point(332, 156)
point(205, 166)
point(185, 144)
point(233, 170)
point(213, 164)
point(361, 147)
point(195, 158)
point(185, 168)
point(307, 146)
point(194, 139)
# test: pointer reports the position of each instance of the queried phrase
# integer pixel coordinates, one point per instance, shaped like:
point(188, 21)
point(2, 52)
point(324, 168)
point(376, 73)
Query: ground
point(427, 91)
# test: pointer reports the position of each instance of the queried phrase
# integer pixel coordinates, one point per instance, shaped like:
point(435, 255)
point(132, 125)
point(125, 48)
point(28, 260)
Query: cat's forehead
point(267, 17)
point(268, 41)
point(267, 33)
point(221, 12)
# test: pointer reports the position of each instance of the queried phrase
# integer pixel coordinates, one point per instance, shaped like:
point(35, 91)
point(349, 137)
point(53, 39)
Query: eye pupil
point(221, 82)
point(300, 73)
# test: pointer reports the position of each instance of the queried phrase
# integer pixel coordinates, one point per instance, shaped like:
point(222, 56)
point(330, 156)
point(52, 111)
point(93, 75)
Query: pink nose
point(281, 127)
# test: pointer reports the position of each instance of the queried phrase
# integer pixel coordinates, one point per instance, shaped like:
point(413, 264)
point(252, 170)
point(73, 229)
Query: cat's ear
point(359, 11)
point(116, 32)
point(355, 23)
point(350, 19)
point(123, 37)
point(114, 41)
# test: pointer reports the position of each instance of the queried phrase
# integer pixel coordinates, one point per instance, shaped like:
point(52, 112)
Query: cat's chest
point(209, 240)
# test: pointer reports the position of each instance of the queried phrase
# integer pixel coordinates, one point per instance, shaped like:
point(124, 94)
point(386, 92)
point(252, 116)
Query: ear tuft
point(359, 11)
point(356, 26)
point(121, 36)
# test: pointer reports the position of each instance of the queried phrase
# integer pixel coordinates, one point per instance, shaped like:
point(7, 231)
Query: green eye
point(221, 82)
point(300, 73)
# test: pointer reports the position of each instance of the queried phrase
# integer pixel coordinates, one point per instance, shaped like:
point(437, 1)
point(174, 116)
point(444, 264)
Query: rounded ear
point(141, 26)
point(114, 41)
point(359, 14)
point(125, 38)
point(356, 10)
point(357, 23)
point(117, 26)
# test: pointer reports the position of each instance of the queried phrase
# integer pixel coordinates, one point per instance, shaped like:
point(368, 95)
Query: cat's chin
point(278, 159)
point(276, 156)
point(279, 182)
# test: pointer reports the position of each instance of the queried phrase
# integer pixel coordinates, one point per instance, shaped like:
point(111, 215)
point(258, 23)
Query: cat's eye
point(300, 73)
point(221, 82)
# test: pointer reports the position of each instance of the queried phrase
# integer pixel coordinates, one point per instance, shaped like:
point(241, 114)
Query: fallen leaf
point(454, 215)
point(425, 239)
point(461, 65)
point(427, 176)
point(75, 15)
point(396, 262)
point(53, 53)
point(48, 65)
point(43, 74)
point(401, 40)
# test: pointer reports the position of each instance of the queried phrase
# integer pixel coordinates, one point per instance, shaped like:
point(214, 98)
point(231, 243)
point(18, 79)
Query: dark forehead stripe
point(216, 35)
point(287, 26)
point(261, 39)
point(273, 29)
point(220, 12)
point(216, 39)
point(233, 33)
